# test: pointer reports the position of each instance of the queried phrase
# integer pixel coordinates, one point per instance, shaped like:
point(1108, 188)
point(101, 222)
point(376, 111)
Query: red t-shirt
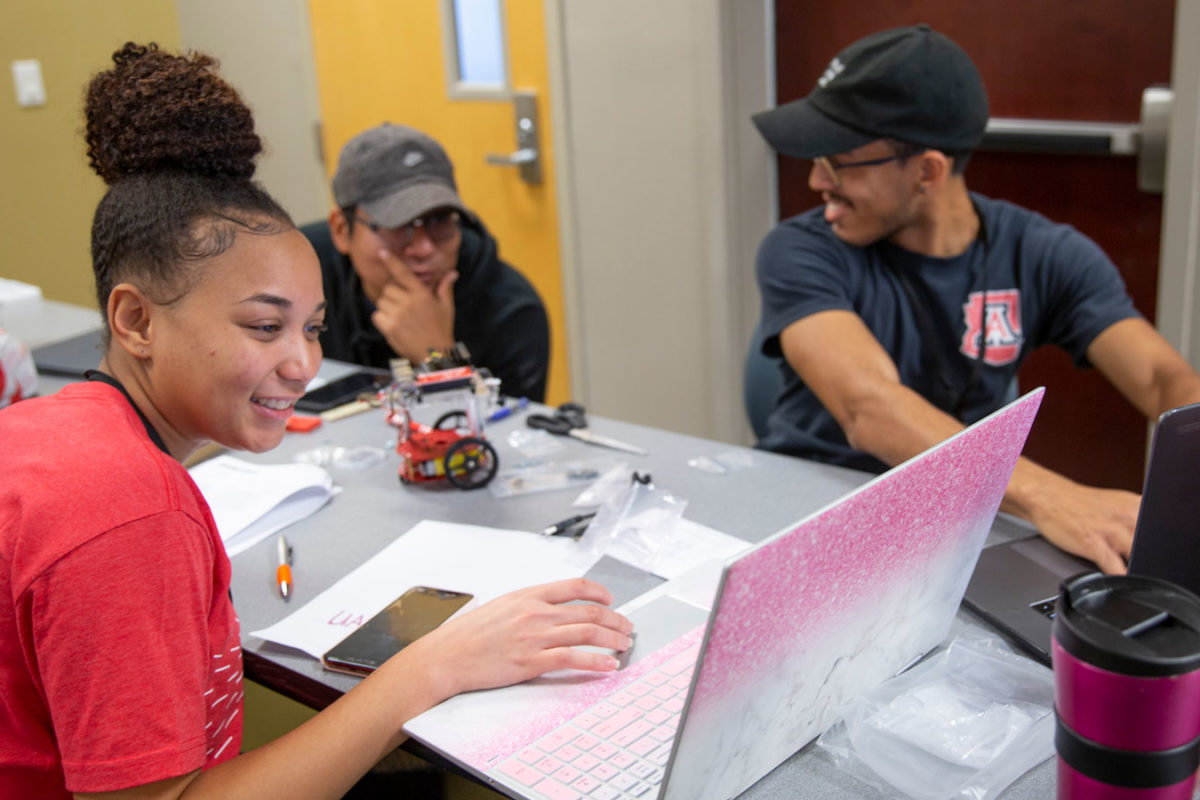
point(120, 657)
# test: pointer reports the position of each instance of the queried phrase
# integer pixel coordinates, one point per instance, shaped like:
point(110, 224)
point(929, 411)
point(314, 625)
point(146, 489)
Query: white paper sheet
point(249, 502)
point(486, 562)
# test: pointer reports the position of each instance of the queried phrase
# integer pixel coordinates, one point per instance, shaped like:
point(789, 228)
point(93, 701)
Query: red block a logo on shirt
point(1002, 328)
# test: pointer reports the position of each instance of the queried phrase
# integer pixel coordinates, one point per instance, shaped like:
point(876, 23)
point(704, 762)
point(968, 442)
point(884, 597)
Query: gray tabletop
point(374, 508)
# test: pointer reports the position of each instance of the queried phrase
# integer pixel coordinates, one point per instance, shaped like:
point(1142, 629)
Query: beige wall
point(667, 191)
point(268, 56)
point(49, 193)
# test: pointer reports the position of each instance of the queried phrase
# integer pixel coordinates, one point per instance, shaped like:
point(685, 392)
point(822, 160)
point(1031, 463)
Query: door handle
point(1152, 139)
point(1147, 139)
point(1060, 136)
point(524, 156)
point(528, 156)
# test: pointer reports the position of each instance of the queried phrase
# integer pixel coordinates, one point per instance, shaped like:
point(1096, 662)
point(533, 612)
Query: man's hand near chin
point(413, 317)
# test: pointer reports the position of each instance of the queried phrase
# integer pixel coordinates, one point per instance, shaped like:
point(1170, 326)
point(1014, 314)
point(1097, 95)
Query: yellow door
point(383, 60)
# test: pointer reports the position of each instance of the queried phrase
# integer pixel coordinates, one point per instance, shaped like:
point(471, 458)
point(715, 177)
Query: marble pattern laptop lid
point(837, 604)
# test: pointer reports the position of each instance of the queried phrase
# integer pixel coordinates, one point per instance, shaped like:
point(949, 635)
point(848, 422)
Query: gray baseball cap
point(395, 174)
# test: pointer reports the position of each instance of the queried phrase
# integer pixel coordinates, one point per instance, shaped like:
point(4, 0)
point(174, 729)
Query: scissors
point(570, 419)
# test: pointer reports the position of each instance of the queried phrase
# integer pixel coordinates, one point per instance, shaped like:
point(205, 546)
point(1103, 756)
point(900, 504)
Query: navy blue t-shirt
point(1045, 283)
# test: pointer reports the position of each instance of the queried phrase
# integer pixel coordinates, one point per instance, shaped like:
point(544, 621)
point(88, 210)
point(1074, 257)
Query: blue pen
point(505, 411)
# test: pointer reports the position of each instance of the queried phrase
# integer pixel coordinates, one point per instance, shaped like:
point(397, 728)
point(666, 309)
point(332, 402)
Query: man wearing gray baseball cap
point(408, 268)
point(905, 304)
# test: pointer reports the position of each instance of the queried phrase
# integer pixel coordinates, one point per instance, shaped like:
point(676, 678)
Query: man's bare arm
point(857, 381)
point(854, 377)
point(1144, 367)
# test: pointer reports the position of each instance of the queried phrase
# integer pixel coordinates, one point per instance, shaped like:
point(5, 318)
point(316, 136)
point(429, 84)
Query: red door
point(1081, 60)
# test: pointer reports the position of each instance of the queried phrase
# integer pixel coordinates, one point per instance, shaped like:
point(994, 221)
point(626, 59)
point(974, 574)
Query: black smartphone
point(409, 617)
point(343, 390)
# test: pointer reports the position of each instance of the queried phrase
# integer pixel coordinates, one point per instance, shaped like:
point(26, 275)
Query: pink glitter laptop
point(711, 701)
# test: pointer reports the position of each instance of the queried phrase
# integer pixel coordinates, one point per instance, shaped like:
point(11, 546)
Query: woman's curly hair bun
point(155, 111)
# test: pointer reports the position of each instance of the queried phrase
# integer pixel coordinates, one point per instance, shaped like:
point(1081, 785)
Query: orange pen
point(283, 573)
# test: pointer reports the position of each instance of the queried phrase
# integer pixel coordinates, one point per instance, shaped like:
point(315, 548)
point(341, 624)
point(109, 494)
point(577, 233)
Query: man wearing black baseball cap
point(408, 268)
point(904, 305)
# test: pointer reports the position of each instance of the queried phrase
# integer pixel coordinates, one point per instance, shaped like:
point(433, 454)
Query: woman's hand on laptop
point(524, 634)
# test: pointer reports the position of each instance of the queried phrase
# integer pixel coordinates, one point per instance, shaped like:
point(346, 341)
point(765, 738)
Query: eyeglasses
point(438, 225)
point(831, 168)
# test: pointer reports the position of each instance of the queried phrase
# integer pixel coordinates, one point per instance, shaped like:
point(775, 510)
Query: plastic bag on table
point(640, 521)
point(964, 724)
point(353, 459)
point(613, 483)
point(548, 476)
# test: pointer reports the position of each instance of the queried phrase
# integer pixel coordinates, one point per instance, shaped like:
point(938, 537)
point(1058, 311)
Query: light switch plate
point(27, 78)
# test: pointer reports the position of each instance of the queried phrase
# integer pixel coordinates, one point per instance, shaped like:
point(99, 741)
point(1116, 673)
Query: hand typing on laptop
point(1094, 523)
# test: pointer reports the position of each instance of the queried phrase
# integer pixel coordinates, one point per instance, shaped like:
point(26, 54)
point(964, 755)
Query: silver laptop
point(1015, 586)
point(800, 624)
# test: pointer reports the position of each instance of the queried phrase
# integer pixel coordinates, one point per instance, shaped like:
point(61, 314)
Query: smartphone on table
point(343, 390)
point(406, 619)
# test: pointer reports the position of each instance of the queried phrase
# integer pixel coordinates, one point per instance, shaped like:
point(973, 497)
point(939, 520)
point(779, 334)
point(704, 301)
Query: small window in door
point(476, 50)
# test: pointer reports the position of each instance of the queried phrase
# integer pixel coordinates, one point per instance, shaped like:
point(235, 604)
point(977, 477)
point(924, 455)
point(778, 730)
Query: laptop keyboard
point(616, 749)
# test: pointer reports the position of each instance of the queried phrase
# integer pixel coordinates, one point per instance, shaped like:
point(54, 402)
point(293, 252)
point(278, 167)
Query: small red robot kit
point(453, 448)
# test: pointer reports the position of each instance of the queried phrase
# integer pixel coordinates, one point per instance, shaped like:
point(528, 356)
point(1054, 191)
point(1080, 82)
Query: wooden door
point(1085, 60)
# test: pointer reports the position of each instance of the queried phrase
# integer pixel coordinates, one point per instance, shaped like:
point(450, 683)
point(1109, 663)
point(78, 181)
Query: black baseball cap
point(395, 174)
point(912, 84)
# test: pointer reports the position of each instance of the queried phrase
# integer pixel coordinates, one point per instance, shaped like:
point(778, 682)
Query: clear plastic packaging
point(640, 522)
point(613, 483)
point(734, 460)
point(706, 464)
point(723, 463)
point(963, 724)
point(535, 444)
point(351, 459)
point(548, 476)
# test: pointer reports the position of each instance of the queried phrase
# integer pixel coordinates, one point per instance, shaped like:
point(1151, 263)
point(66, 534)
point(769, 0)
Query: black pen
point(567, 524)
